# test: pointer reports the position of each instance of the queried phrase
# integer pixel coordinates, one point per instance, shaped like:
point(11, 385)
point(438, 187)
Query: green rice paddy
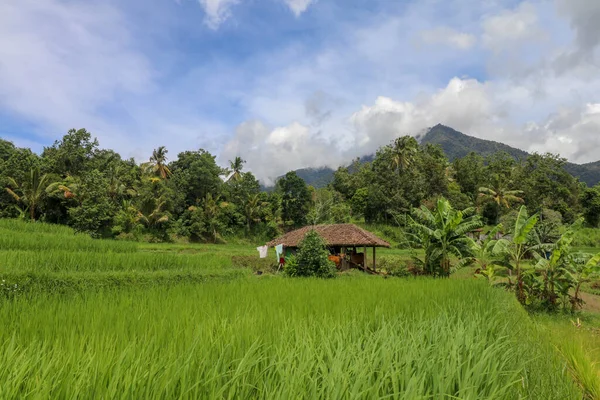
point(181, 322)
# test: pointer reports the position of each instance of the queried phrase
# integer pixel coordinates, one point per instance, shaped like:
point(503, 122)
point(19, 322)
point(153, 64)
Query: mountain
point(456, 145)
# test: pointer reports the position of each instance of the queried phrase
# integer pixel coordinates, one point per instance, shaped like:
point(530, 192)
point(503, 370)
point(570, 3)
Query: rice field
point(279, 338)
point(180, 321)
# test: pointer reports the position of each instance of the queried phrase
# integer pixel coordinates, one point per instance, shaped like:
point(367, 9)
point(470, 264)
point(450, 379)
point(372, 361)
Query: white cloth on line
point(262, 251)
point(279, 250)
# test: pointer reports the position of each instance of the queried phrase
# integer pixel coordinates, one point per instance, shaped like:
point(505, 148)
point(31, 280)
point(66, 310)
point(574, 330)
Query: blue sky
point(295, 83)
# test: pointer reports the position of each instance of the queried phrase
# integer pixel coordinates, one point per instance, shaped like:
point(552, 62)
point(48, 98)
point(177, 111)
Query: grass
point(90, 318)
point(39, 257)
point(279, 338)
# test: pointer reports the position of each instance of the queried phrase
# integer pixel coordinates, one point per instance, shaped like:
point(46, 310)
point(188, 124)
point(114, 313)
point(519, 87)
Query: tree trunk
point(32, 211)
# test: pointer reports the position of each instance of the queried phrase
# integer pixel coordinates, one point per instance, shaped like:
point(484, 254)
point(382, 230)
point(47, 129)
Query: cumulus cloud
point(217, 11)
point(583, 16)
point(298, 6)
point(271, 152)
point(508, 28)
point(449, 37)
point(62, 61)
point(573, 133)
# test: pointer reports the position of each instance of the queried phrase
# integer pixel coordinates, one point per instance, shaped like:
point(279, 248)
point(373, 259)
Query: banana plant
point(582, 269)
point(551, 273)
point(487, 256)
point(518, 247)
point(442, 233)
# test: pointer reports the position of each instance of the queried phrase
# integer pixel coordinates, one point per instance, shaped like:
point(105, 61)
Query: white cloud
point(217, 11)
point(298, 6)
point(271, 152)
point(62, 61)
point(511, 27)
point(573, 133)
point(583, 16)
point(448, 36)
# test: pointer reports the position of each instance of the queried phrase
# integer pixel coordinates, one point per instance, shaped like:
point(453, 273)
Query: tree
point(31, 190)
point(590, 202)
point(500, 194)
point(71, 155)
point(311, 258)
point(154, 202)
point(252, 210)
point(470, 174)
point(195, 174)
point(95, 210)
point(404, 152)
point(441, 232)
point(157, 165)
point(295, 199)
point(236, 167)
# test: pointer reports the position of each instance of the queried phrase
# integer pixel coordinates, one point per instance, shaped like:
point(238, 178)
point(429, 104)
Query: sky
point(287, 84)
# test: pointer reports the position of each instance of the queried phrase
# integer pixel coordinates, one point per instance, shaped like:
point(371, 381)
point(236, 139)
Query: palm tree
point(236, 167)
point(442, 234)
point(404, 152)
point(32, 190)
point(68, 187)
point(153, 213)
point(158, 163)
point(212, 211)
point(500, 194)
point(252, 210)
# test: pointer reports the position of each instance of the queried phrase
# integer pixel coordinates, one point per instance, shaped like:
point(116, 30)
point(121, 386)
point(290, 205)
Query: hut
point(343, 241)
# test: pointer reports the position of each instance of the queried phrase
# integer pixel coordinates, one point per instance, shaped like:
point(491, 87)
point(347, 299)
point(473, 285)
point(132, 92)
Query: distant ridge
point(456, 145)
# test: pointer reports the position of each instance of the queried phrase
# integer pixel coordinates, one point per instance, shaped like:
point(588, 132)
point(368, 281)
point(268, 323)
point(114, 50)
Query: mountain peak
point(455, 145)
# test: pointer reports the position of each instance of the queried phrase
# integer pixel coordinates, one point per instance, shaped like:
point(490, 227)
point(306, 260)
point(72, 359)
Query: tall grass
point(60, 260)
point(277, 338)
point(19, 235)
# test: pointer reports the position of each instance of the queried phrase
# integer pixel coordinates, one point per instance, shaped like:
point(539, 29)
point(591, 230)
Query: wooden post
point(365, 258)
point(374, 265)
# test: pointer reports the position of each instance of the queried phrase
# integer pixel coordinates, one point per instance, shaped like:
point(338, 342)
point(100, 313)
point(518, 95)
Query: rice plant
point(278, 339)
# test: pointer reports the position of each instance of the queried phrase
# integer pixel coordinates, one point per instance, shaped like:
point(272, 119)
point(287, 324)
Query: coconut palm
point(500, 194)
point(404, 152)
point(31, 190)
point(212, 210)
point(153, 213)
point(252, 210)
point(442, 234)
point(158, 163)
point(236, 167)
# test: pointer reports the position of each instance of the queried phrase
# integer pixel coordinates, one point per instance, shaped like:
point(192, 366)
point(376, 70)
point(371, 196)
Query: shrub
point(393, 266)
point(311, 259)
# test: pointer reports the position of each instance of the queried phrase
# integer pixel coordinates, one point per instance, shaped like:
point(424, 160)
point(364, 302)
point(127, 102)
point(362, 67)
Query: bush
point(398, 267)
point(311, 259)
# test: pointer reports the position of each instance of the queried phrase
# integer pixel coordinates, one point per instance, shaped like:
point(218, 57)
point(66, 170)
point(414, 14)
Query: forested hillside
point(76, 183)
point(456, 145)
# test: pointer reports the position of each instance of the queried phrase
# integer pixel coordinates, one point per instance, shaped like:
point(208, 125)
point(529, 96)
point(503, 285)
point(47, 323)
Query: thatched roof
point(334, 235)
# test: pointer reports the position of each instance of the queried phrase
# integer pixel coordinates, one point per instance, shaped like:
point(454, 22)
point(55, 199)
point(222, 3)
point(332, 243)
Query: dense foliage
point(311, 259)
point(75, 182)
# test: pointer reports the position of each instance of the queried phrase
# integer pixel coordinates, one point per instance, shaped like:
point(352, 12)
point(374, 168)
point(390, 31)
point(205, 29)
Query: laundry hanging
point(262, 251)
point(279, 250)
